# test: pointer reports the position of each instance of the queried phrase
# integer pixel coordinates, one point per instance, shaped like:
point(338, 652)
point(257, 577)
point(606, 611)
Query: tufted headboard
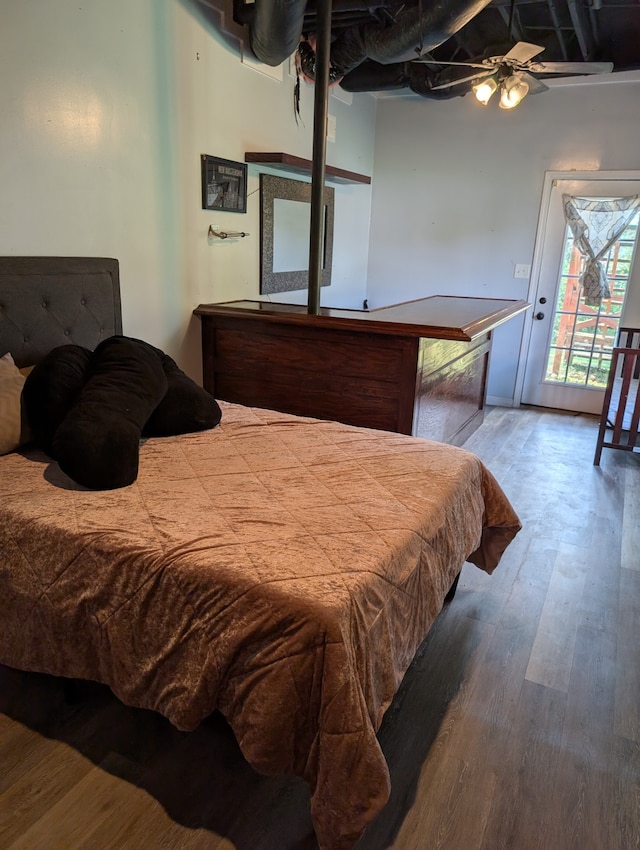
point(51, 301)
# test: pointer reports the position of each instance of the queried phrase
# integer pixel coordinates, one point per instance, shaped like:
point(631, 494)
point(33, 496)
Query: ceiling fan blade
point(430, 61)
point(571, 67)
point(535, 86)
point(475, 77)
point(523, 51)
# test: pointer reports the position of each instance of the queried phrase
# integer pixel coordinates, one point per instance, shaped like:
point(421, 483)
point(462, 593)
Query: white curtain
point(596, 224)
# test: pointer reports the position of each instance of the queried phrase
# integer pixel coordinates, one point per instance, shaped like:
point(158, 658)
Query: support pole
point(320, 110)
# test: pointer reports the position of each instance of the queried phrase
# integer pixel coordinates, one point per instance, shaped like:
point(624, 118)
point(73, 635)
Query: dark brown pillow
point(97, 443)
point(185, 408)
point(88, 410)
point(51, 389)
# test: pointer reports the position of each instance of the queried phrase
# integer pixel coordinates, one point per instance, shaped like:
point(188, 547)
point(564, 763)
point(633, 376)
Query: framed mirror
point(285, 221)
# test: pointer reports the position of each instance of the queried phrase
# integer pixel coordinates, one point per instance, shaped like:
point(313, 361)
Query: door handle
point(539, 316)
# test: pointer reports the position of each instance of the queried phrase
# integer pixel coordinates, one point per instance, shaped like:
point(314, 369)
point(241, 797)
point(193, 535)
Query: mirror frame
point(281, 188)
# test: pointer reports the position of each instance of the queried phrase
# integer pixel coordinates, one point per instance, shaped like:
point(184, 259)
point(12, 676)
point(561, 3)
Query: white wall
point(106, 108)
point(107, 105)
point(457, 190)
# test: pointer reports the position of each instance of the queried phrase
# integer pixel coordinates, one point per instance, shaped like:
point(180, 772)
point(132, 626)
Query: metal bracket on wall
point(222, 234)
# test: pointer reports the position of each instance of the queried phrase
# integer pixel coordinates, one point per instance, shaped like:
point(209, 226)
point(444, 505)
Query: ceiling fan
point(514, 73)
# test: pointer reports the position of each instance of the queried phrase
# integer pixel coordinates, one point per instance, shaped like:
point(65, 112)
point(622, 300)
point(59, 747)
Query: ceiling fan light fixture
point(485, 89)
point(513, 90)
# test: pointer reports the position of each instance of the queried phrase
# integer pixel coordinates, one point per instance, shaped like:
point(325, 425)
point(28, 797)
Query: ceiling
point(569, 30)
point(374, 42)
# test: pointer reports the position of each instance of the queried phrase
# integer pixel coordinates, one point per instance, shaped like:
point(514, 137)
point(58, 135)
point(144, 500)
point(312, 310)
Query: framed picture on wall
point(224, 184)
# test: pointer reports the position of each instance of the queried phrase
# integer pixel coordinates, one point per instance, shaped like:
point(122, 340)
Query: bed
point(282, 570)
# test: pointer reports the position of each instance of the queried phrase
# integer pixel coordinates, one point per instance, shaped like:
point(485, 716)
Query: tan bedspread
point(282, 570)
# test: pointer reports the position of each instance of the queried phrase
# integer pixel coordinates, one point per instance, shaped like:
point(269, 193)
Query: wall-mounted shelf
point(298, 165)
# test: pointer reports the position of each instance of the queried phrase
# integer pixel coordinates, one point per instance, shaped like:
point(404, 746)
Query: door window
point(582, 337)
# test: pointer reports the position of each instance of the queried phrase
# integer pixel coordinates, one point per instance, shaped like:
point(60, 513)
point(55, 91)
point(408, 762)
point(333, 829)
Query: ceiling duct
point(375, 42)
point(276, 27)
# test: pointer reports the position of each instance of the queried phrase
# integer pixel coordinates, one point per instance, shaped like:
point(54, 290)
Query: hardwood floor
point(516, 728)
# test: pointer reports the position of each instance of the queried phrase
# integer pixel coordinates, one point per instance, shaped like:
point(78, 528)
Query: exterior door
point(570, 344)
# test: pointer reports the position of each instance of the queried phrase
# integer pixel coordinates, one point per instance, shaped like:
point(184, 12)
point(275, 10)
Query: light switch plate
point(331, 128)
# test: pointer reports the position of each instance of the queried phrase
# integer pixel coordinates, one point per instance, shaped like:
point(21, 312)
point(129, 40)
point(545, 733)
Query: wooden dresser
point(417, 368)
